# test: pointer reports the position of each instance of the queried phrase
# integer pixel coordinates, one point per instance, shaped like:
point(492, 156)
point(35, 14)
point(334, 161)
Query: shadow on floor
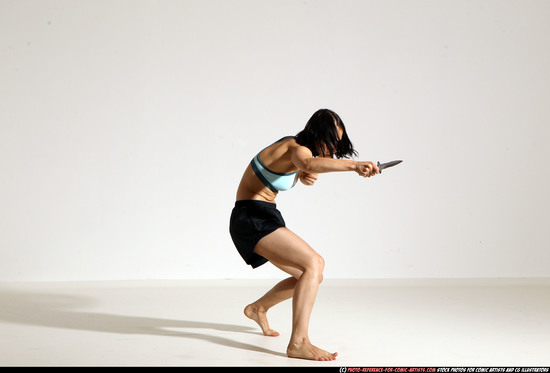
point(58, 311)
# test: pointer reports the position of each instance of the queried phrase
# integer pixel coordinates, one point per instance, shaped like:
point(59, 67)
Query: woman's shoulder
point(286, 138)
point(295, 148)
point(286, 142)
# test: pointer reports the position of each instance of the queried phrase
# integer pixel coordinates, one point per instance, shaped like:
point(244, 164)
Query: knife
point(382, 166)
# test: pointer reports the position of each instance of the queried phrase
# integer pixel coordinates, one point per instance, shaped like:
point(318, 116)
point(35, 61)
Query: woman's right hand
point(366, 169)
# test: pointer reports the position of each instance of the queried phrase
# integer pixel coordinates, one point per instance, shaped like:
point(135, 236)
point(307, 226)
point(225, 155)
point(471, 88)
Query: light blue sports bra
point(275, 181)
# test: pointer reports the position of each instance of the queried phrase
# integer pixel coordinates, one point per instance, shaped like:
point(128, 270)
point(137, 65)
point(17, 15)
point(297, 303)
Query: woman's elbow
point(308, 165)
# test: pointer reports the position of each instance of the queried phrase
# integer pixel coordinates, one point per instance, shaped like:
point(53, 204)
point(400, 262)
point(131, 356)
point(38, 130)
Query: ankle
point(298, 341)
point(257, 308)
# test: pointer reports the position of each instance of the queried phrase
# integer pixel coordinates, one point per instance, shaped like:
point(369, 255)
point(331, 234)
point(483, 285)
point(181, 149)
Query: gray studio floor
point(200, 323)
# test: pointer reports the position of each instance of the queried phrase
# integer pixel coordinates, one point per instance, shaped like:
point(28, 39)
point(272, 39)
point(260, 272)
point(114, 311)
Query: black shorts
point(250, 222)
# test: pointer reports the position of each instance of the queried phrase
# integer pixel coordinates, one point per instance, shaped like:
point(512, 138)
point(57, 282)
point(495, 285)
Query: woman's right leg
point(287, 251)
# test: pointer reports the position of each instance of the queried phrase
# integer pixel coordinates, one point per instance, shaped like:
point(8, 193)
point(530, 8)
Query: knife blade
point(382, 166)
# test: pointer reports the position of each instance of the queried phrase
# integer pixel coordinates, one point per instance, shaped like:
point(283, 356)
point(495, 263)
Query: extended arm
point(304, 160)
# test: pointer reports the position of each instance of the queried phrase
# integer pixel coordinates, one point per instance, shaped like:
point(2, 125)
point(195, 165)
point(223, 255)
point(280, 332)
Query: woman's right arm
point(303, 158)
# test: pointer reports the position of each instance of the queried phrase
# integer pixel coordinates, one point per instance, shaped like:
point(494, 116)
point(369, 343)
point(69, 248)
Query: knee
point(321, 268)
point(316, 267)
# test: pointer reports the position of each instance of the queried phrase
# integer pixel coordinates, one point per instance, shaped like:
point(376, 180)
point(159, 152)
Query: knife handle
point(378, 165)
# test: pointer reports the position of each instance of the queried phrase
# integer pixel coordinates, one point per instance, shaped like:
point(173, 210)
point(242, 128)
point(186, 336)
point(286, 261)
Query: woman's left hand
point(307, 178)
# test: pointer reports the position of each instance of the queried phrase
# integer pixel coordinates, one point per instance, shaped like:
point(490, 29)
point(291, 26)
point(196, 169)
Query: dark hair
point(321, 130)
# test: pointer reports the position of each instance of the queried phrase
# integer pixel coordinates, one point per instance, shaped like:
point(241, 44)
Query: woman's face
point(340, 133)
point(326, 149)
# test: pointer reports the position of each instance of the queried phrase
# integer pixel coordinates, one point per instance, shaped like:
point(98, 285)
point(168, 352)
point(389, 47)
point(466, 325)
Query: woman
point(258, 229)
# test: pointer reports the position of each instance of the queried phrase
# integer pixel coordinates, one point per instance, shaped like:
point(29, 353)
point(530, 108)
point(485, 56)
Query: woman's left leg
point(257, 311)
point(282, 291)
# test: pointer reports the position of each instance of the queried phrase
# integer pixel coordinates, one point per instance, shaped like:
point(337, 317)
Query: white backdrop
point(126, 126)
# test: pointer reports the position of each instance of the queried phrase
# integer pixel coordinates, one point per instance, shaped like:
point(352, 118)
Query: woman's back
point(271, 170)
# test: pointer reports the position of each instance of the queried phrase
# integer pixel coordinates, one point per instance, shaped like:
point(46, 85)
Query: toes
point(272, 333)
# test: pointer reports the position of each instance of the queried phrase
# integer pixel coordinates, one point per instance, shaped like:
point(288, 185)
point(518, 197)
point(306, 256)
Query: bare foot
point(254, 313)
point(306, 350)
